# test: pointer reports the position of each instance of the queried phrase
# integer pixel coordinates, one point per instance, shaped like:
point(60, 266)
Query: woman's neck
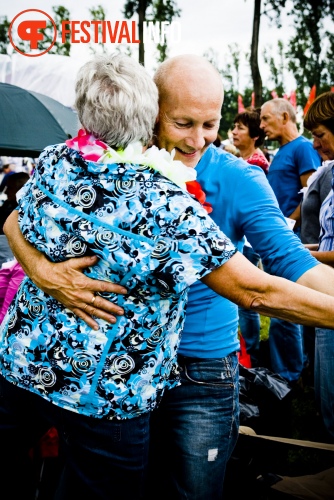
point(246, 153)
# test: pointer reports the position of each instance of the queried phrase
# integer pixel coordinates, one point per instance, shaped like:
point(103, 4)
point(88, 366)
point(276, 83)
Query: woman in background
point(320, 121)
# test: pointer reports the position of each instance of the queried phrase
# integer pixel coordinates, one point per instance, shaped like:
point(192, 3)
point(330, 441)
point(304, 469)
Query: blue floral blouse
point(151, 237)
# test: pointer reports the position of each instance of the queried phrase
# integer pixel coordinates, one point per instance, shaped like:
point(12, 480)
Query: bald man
point(198, 421)
point(293, 164)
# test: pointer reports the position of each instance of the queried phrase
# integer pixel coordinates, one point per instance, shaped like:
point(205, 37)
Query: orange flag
point(241, 107)
point(253, 100)
point(311, 98)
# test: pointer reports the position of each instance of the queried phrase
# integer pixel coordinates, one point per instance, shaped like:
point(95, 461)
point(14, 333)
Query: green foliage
point(4, 38)
point(309, 52)
point(276, 68)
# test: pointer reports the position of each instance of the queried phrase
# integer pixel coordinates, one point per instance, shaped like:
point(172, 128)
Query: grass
point(264, 327)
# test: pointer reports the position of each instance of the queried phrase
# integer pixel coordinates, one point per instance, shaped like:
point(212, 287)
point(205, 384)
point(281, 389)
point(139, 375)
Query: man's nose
point(196, 139)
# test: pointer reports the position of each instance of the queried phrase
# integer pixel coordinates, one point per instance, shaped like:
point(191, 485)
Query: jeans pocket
point(212, 372)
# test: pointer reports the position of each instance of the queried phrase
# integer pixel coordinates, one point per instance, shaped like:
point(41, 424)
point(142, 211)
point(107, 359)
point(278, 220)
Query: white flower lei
point(158, 159)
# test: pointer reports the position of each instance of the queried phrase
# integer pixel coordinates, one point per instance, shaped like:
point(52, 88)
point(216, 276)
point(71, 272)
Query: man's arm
point(64, 281)
point(296, 213)
point(246, 285)
point(320, 278)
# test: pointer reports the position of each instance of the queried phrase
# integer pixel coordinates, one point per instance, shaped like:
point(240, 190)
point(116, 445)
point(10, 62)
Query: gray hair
point(279, 105)
point(116, 100)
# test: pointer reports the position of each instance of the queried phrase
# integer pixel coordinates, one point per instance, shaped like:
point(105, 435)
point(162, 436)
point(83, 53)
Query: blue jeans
point(286, 349)
point(324, 376)
point(195, 429)
point(249, 321)
point(103, 459)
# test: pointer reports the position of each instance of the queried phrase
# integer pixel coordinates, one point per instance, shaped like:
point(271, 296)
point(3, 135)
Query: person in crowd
point(292, 165)
point(318, 186)
point(7, 170)
point(319, 120)
point(14, 184)
point(197, 421)
point(247, 138)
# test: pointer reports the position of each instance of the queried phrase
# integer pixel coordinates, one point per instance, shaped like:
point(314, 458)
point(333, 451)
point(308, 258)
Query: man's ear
point(285, 117)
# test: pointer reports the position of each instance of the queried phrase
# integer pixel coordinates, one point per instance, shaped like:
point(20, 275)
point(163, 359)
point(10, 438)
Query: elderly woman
point(99, 194)
point(320, 121)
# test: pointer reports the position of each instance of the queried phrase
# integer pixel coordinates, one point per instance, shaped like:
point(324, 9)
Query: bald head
point(188, 72)
point(190, 99)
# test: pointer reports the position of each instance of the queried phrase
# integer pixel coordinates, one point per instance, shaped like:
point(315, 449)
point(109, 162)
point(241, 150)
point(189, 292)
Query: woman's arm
point(64, 281)
point(246, 285)
point(324, 257)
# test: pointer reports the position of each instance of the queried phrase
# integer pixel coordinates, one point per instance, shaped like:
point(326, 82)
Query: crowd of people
point(143, 247)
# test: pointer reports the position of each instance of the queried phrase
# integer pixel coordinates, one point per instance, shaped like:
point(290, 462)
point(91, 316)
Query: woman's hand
point(66, 282)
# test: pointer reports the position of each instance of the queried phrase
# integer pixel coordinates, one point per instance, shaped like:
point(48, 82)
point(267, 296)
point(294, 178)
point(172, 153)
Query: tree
point(310, 51)
point(151, 10)
point(4, 38)
point(276, 67)
point(255, 70)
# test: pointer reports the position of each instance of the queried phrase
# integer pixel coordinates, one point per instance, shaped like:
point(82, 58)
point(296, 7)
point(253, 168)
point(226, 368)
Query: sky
point(204, 25)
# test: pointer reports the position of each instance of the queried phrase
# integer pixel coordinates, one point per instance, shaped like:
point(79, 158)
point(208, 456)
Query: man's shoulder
point(216, 157)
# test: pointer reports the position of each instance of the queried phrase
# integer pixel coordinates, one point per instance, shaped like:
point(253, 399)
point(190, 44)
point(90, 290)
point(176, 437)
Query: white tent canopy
point(50, 74)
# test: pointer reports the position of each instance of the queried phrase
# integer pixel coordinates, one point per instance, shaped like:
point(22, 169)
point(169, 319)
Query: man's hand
point(66, 282)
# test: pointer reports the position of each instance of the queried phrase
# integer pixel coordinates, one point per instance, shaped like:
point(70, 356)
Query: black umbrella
point(30, 121)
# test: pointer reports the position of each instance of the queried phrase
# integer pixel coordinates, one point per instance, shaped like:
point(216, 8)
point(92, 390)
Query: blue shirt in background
point(290, 162)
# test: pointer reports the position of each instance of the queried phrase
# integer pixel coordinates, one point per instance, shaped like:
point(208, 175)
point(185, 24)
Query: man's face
point(188, 123)
point(271, 122)
point(323, 142)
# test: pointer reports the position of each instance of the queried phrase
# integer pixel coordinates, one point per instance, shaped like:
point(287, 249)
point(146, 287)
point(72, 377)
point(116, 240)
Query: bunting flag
point(332, 89)
point(285, 96)
point(253, 100)
point(274, 94)
point(293, 98)
point(241, 107)
point(311, 98)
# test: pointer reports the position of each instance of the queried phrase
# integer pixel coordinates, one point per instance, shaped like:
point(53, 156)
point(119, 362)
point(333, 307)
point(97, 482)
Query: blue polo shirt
point(290, 162)
point(243, 205)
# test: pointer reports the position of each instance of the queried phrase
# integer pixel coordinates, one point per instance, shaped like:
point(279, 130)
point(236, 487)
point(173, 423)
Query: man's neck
point(290, 134)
